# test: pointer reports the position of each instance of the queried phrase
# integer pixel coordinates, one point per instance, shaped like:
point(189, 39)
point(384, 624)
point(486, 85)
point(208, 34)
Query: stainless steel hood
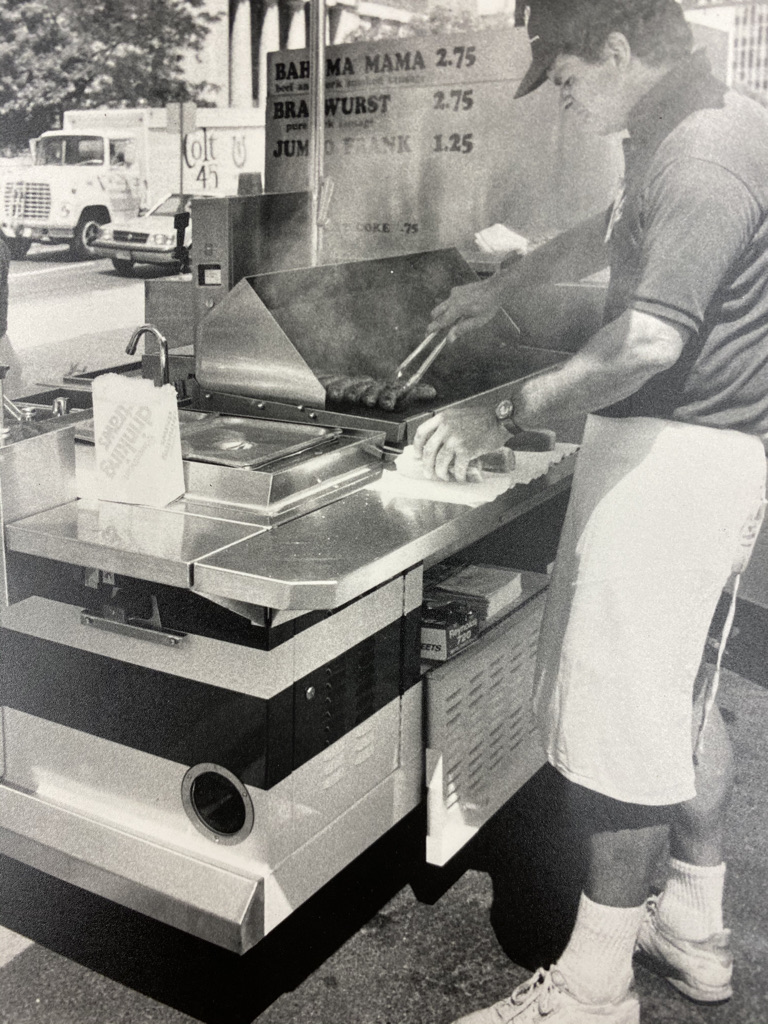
point(274, 333)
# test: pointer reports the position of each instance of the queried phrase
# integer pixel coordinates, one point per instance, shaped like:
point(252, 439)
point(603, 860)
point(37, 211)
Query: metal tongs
point(428, 351)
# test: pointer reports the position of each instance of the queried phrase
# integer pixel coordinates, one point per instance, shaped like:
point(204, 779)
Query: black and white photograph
point(383, 593)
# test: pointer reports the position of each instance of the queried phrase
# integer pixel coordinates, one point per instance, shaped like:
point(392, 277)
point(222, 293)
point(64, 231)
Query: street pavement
point(66, 317)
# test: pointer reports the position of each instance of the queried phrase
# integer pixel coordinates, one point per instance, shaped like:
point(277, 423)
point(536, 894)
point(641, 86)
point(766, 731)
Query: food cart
point(211, 708)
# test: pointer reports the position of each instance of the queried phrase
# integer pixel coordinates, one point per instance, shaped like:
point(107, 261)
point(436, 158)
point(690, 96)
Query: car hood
point(151, 224)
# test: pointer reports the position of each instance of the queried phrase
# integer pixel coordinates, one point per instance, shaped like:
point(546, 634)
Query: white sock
point(691, 905)
point(597, 962)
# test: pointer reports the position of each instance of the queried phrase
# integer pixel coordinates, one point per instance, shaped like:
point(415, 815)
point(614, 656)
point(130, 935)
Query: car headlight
point(163, 239)
point(104, 234)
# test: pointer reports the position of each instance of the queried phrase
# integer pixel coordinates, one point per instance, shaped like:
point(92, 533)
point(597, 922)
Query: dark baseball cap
point(549, 25)
point(564, 26)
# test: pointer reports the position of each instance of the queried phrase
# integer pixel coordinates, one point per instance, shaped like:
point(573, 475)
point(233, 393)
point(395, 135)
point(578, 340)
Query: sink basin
point(40, 405)
point(44, 412)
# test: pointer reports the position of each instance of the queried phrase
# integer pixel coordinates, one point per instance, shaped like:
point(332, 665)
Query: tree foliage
point(58, 55)
point(439, 20)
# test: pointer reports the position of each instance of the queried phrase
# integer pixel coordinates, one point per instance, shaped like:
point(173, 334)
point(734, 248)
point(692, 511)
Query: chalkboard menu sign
point(426, 144)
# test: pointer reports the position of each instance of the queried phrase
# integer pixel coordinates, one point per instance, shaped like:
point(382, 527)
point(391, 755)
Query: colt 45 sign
point(215, 157)
point(426, 144)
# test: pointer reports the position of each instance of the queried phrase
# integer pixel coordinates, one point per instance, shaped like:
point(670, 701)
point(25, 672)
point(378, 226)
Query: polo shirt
point(690, 245)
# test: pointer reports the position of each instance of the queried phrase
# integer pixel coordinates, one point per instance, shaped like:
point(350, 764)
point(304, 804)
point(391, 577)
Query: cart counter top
point(318, 561)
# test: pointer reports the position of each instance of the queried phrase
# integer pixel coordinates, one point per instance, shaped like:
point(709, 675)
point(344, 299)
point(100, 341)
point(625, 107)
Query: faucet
point(162, 341)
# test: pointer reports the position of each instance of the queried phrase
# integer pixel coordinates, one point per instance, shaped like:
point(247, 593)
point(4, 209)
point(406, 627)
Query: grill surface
point(273, 333)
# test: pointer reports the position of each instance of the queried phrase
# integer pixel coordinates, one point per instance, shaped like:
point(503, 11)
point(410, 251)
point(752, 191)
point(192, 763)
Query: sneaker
point(545, 995)
point(700, 970)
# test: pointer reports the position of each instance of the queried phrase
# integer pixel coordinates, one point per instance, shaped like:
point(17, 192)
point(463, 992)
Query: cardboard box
point(447, 629)
point(488, 589)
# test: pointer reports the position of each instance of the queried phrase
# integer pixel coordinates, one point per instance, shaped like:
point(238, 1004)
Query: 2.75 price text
point(461, 56)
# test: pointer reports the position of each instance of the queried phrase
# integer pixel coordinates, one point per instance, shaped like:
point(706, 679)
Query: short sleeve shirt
point(691, 246)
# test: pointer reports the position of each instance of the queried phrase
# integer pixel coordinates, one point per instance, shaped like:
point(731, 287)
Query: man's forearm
point(579, 386)
point(613, 365)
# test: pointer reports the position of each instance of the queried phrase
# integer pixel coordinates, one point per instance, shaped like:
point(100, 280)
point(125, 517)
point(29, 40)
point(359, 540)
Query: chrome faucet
point(162, 341)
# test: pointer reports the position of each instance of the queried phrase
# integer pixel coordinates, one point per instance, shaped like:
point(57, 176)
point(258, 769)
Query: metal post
point(181, 156)
point(181, 218)
point(317, 123)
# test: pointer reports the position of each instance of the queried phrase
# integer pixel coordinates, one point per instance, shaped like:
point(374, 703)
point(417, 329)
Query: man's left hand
point(449, 441)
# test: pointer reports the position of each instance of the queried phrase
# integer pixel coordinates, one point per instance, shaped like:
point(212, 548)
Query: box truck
point(106, 165)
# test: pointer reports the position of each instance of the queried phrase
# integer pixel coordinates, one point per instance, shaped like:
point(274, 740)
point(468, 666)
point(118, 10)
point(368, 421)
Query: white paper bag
point(138, 447)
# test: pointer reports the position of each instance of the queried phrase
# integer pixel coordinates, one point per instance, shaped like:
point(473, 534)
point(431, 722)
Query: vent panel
point(481, 739)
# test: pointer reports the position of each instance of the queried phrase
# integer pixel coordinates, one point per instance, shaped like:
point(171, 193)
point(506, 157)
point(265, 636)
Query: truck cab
point(76, 182)
point(107, 165)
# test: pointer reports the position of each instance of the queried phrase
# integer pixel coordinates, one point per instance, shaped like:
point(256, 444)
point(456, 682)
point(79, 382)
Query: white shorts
point(656, 513)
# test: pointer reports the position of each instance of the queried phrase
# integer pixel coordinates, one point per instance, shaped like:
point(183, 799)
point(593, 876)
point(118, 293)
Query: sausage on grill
point(335, 385)
point(373, 393)
point(394, 395)
point(353, 394)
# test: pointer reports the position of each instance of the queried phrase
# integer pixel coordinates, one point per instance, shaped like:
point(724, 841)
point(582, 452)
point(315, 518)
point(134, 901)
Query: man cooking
point(669, 478)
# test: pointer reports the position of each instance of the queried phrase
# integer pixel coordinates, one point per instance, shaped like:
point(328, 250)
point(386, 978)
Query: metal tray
point(243, 443)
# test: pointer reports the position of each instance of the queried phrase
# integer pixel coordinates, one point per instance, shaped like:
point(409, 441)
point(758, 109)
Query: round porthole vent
point(217, 803)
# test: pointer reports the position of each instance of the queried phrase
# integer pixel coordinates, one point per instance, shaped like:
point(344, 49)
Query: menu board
point(426, 144)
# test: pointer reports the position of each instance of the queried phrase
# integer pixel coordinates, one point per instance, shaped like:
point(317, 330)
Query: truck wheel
point(123, 267)
point(86, 231)
point(17, 247)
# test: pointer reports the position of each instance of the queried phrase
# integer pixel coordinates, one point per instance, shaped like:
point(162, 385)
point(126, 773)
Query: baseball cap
point(563, 26)
point(548, 25)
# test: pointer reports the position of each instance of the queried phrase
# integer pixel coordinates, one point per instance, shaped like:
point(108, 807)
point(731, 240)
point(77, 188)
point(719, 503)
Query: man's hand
point(449, 441)
point(468, 307)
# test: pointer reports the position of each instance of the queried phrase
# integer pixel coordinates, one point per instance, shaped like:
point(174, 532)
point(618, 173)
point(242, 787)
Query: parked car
point(149, 238)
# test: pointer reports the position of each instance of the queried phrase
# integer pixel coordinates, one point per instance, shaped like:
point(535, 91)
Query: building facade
point(234, 59)
point(745, 27)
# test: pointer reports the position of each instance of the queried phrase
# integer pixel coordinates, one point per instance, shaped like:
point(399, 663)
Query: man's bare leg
point(623, 850)
point(621, 862)
point(698, 826)
point(683, 932)
point(691, 905)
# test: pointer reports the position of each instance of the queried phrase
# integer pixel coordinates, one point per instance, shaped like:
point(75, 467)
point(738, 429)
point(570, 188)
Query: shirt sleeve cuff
point(667, 312)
